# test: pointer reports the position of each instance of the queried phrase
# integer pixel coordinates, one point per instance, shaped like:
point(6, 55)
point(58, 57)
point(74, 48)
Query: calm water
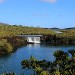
point(13, 62)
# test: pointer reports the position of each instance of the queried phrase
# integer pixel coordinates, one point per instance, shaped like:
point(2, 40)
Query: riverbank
point(11, 44)
point(58, 40)
point(9, 38)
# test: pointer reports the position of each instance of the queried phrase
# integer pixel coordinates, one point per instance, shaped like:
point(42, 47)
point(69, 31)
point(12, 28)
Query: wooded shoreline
point(9, 41)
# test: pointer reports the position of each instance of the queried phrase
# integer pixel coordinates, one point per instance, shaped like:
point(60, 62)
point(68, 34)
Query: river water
point(12, 63)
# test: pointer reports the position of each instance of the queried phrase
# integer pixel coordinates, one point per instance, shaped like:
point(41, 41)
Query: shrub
point(5, 46)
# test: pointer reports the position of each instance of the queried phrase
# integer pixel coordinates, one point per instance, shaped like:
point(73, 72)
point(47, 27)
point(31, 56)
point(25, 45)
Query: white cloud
point(1, 1)
point(50, 1)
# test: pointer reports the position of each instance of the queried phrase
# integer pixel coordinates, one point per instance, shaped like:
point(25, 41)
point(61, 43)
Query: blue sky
point(42, 13)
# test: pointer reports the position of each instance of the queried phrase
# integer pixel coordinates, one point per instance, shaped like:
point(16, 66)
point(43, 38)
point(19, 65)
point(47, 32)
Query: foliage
point(10, 44)
point(68, 33)
point(5, 46)
point(63, 64)
point(8, 73)
point(17, 41)
point(49, 36)
point(58, 39)
point(12, 30)
point(72, 52)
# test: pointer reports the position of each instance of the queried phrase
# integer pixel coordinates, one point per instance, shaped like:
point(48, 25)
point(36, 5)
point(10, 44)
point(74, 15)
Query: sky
point(38, 13)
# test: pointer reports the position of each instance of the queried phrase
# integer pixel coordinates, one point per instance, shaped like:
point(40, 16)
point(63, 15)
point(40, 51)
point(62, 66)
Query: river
point(12, 63)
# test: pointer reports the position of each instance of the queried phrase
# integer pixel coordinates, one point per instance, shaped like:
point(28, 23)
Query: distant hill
point(62, 29)
point(12, 30)
point(70, 28)
point(3, 23)
point(54, 28)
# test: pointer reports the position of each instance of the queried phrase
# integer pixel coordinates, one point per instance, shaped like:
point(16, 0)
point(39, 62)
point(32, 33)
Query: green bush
point(60, 66)
point(5, 46)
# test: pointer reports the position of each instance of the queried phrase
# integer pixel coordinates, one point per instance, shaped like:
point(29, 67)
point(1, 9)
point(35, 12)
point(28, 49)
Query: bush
point(5, 46)
point(60, 66)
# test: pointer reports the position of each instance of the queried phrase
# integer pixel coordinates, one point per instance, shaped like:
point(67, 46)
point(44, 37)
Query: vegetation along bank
point(9, 41)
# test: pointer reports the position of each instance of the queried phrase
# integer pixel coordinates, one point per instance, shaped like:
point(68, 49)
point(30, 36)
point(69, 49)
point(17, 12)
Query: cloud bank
point(50, 1)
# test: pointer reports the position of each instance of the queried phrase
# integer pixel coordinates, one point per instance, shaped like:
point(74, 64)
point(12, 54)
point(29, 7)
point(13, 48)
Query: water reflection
point(33, 45)
point(39, 51)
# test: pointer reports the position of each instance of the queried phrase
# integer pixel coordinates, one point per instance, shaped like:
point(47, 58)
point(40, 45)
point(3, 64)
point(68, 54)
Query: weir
point(32, 38)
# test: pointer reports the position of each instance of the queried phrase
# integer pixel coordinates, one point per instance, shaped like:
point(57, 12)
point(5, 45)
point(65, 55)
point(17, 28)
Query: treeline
point(49, 36)
point(62, 65)
point(9, 41)
point(67, 37)
point(12, 30)
point(67, 33)
point(58, 40)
